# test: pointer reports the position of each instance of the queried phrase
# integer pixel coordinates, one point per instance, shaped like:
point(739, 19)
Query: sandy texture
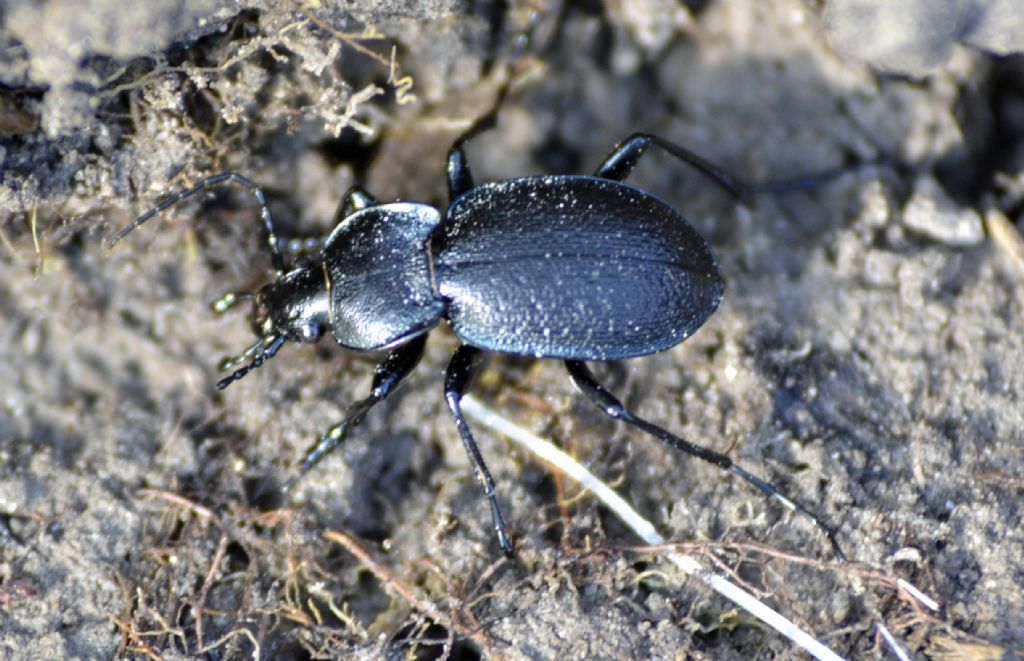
point(867, 357)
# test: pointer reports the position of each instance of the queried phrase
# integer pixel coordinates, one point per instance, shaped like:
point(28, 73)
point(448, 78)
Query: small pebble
point(930, 212)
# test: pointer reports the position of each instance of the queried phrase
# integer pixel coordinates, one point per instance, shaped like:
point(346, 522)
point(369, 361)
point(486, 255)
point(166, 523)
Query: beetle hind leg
point(623, 158)
point(456, 380)
point(584, 379)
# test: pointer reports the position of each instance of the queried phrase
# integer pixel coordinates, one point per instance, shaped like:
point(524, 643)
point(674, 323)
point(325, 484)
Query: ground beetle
point(570, 267)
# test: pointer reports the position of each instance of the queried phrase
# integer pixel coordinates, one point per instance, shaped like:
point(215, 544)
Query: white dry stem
point(550, 454)
point(894, 646)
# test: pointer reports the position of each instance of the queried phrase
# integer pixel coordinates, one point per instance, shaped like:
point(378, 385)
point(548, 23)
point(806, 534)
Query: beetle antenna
point(275, 252)
point(275, 342)
point(228, 363)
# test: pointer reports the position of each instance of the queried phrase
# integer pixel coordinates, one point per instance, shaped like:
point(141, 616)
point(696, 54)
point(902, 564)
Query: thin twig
point(901, 586)
point(393, 586)
point(181, 501)
point(211, 576)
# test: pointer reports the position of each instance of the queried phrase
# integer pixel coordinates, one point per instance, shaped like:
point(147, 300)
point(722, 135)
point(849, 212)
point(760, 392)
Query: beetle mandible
point(570, 267)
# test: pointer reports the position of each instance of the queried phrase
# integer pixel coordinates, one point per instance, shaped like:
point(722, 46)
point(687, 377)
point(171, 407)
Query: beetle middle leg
point(584, 379)
point(456, 380)
point(460, 179)
point(389, 373)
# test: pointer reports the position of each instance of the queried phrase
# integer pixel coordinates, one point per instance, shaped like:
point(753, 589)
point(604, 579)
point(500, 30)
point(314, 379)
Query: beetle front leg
point(456, 380)
point(584, 379)
point(355, 199)
point(389, 373)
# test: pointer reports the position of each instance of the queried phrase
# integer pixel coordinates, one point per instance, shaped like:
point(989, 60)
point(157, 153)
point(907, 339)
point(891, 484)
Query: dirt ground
point(867, 356)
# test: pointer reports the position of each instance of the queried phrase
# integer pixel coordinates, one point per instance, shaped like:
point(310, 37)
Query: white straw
point(550, 454)
point(894, 647)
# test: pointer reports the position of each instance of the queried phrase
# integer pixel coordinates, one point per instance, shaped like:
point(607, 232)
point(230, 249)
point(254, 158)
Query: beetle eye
point(310, 332)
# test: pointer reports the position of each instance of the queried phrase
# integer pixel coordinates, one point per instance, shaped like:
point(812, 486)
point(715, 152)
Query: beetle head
point(293, 307)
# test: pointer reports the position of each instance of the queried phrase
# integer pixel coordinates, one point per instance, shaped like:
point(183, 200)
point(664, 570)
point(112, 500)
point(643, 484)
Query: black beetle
point(570, 267)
